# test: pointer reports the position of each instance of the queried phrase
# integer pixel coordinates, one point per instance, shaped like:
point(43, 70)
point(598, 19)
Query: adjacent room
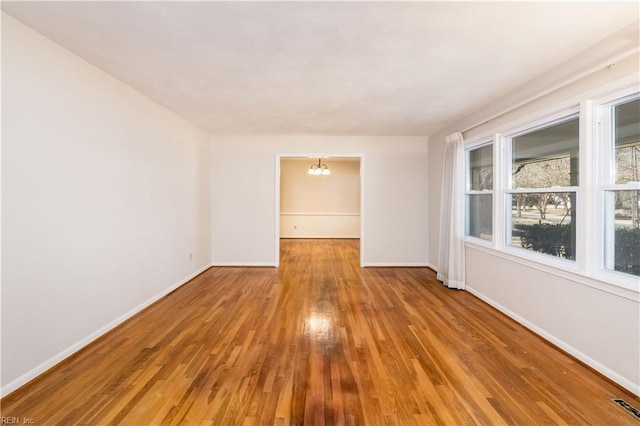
point(355, 213)
point(319, 198)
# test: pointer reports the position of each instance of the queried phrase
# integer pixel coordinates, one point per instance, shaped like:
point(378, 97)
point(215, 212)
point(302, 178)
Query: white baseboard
point(395, 265)
point(51, 362)
point(621, 380)
point(247, 264)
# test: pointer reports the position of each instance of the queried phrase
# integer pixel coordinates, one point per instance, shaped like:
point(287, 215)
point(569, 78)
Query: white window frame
point(588, 267)
point(507, 190)
point(471, 146)
point(604, 169)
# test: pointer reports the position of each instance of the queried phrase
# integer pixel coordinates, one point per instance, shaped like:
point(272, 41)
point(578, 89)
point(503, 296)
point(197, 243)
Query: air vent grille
point(628, 407)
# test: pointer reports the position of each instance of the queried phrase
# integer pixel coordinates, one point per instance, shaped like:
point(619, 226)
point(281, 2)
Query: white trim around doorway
point(279, 157)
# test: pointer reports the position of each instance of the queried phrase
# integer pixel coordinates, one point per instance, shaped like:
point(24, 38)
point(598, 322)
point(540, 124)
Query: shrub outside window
point(541, 194)
point(479, 194)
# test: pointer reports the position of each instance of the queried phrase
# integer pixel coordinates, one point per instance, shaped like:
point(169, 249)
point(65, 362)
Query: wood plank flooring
point(319, 341)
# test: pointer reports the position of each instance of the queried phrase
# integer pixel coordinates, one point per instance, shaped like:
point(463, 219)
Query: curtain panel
point(451, 247)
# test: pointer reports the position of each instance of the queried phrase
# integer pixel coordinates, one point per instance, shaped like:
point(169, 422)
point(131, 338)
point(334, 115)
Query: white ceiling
point(365, 68)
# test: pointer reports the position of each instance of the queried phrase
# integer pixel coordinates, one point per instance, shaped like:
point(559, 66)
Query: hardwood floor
point(319, 341)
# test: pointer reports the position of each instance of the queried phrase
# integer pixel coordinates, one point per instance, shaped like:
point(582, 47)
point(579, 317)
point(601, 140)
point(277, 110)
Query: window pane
point(623, 231)
point(481, 168)
point(547, 157)
point(543, 222)
point(479, 214)
point(627, 132)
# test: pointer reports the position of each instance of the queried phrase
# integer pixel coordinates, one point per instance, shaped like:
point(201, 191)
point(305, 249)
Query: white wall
point(598, 326)
point(104, 195)
point(244, 195)
point(324, 206)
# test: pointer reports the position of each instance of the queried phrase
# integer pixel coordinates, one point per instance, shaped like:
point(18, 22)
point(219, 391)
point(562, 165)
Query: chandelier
point(319, 169)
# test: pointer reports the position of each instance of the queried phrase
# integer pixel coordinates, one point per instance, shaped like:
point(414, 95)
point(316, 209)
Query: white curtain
point(451, 248)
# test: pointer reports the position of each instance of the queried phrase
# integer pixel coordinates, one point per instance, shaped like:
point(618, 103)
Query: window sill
point(478, 241)
point(567, 270)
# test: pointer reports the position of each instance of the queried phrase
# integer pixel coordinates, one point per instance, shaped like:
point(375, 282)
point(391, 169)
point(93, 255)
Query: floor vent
point(630, 408)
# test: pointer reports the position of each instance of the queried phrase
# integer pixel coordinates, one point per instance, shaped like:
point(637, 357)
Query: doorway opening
point(328, 203)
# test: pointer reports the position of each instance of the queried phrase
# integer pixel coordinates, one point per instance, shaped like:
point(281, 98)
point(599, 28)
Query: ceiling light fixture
point(319, 169)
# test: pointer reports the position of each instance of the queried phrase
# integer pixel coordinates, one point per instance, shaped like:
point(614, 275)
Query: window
point(479, 194)
point(567, 191)
point(541, 189)
point(622, 187)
